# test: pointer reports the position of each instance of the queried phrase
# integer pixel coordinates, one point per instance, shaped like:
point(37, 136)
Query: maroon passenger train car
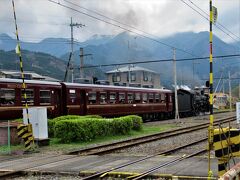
point(39, 93)
point(83, 99)
point(108, 100)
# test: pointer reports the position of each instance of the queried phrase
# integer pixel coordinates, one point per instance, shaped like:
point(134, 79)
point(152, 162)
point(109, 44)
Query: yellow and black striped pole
point(24, 131)
point(18, 51)
point(210, 129)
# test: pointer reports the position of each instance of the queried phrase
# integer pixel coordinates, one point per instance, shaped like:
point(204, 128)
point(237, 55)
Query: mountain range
point(126, 47)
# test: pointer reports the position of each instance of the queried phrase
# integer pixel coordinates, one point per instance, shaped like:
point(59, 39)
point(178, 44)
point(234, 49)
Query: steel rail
point(167, 152)
point(145, 173)
point(106, 148)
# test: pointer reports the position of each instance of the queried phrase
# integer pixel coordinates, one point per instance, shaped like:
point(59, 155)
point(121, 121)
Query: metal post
point(230, 91)
point(210, 129)
point(175, 84)
point(71, 64)
point(81, 63)
point(9, 138)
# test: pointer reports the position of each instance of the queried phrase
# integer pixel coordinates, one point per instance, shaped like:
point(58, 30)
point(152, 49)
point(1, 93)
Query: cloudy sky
point(39, 19)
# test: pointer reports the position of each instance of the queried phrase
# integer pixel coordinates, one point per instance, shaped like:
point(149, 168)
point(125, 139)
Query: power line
point(121, 27)
point(217, 25)
point(161, 60)
point(216, 22)
point(98, 13)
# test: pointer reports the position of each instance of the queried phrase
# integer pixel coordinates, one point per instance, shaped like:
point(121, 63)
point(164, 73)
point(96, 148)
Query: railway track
point(170, 151)
point(107, 148)
point(153, 169)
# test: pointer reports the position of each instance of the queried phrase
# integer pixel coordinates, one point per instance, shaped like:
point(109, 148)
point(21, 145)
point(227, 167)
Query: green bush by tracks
point(137, 122)
point(52, 122)
point(86, 128)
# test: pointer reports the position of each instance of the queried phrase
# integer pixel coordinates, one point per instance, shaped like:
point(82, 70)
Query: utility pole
point(175, 84)
point(129, 67)
point(230, 91)
point(81, 62)
point(73, 25)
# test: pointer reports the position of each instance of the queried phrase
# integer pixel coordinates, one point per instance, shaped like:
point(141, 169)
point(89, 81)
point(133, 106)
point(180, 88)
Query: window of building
point(137, 97)
point(103, 98)
point(45, 97)
point(122, 98)
point(7, 96)
point(116, 77)
point(157, 98)
point(144, 98)
point(112, 98)
point(130, 98)
point(133, 76)
point(92, 98)
point(30, 96)
point(151, 98)
point(145, 76)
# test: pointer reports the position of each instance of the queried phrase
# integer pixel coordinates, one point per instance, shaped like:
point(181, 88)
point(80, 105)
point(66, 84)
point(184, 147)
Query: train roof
point(115, 87)
point(29, 81)
point(8, 80)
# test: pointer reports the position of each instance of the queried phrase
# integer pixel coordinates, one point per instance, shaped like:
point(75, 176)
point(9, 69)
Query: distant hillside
point(40, 63)
point(54, 46)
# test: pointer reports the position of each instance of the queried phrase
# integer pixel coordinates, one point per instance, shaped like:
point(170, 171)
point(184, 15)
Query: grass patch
point(56, 145)
point(4, 149)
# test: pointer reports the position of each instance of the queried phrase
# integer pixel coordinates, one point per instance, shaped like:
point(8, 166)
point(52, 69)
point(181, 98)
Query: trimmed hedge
point(87, 129)
point(52, 122)
point(137, 122)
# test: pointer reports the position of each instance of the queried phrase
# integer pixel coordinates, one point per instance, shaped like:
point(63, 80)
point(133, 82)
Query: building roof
point(33, 75)
point(13, 72)
point(132, 68)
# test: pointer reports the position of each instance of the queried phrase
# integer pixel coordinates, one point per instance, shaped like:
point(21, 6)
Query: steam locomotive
point(105, 100)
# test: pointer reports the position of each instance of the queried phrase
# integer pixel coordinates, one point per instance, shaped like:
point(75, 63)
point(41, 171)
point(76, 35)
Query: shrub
point(122, 125)
point(52, 122)
point(80, 129)
point(87, 128)
point(137, 122)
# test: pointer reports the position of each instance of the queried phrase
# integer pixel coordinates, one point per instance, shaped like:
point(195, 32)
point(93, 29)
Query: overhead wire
point(160, 60)
point(121, 27)
point(100, 14)
point(218, 25)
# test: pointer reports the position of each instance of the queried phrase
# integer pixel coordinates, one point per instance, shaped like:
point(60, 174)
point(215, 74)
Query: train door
point(57, 103)
point(83, 108)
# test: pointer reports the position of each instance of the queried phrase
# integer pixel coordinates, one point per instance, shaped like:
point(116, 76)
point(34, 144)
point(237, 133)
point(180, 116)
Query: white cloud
point(38, 19)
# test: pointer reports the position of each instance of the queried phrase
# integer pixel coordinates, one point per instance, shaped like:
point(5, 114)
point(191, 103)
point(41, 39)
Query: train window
point(92, 98)
point(130, 98)
point(112, 98)
point(163, 97)
point(144, 98)
point(30, 96)
point(170, 99)
point(157, 98)
point(151, 99)
point(103, 98)
point(122, 98)
point(45, 97)
point(137, 97)
point(7, 96)
point(72, 95)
